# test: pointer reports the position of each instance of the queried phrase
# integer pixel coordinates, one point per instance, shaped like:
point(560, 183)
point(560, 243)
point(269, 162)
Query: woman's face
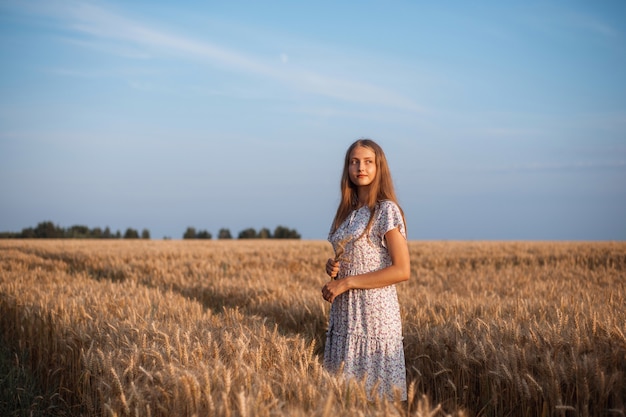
point(362, 166)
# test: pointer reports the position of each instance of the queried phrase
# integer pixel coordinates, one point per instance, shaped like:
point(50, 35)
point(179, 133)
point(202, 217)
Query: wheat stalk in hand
point(339, 249)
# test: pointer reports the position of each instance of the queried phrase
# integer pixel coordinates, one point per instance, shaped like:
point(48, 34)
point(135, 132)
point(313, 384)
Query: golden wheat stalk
point(339, 249)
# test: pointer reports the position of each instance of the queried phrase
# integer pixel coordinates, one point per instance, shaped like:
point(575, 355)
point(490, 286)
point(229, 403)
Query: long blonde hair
point(381, 187)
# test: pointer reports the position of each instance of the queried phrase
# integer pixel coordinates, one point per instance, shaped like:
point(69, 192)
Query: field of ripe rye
point(237, 328)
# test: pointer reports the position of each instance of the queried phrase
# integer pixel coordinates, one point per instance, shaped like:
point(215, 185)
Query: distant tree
point(28, 233)
point(224, 234)
point(96, 233)
point(77, 232)
point(118, 235)
point(48, 230)
point(190, 233)
point(248, 233)
point(264, 233)
point(282, 232)
point(107, 233)
point(204, 234)
point(131, 234)
point(145, 234)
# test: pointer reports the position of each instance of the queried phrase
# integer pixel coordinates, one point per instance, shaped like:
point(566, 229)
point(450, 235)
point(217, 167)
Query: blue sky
point(500, 120)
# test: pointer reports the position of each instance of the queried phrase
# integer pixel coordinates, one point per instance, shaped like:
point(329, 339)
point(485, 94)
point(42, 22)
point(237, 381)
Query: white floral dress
point(364, 330)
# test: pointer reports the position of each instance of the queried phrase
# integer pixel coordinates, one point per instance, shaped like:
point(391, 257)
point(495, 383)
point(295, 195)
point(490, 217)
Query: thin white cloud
point(100, 23)
point(106, 26)
point(108, 48)
point(100, 73)
point(571, 25)
point(592, 24)
point(561, 166)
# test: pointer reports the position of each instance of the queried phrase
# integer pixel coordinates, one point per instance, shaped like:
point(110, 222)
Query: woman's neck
point(362, 194)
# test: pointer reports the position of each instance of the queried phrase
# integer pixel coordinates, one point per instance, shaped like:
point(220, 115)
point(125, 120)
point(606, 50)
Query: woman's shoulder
point(388, 205)
point(389, 217)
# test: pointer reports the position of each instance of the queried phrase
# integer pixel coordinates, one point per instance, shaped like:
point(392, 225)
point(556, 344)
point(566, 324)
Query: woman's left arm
point(398, 271)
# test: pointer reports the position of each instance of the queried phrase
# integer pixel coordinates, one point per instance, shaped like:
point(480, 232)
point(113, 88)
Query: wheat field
point(237, 328)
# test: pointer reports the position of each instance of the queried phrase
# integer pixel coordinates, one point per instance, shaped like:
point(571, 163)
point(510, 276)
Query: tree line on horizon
point(280, 232)
point(48, 230)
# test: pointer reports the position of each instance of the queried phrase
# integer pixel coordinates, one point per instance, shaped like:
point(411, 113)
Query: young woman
point(369, 237)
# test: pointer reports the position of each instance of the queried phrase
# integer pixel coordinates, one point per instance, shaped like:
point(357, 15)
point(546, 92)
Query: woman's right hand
point(332, 268)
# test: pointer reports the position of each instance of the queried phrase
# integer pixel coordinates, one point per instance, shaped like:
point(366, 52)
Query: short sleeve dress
point(364, 330)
